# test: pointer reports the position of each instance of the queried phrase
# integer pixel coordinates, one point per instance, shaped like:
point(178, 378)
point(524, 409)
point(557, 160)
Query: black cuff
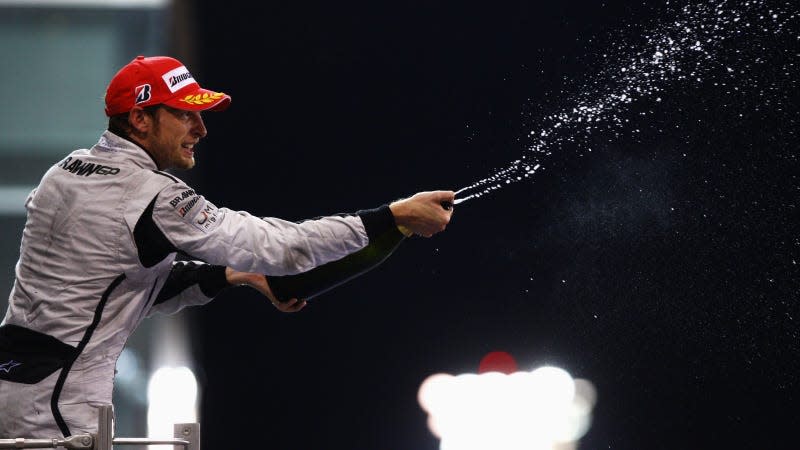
point(213, 280)
point(377, 221)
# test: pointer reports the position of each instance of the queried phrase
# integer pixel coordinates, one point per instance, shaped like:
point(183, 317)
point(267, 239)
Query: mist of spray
point(677, 52)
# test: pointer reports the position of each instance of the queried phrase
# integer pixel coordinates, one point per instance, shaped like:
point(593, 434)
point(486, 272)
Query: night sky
point(654, 251)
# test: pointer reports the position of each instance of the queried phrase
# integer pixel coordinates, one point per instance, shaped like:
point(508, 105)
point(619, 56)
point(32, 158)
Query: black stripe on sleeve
point(151, 244)
point(166, 175)
point(184, 274)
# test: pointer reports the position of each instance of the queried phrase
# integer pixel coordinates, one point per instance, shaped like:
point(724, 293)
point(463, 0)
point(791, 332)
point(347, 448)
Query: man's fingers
point(424, 213)
point(291, 305)
point(297, 305)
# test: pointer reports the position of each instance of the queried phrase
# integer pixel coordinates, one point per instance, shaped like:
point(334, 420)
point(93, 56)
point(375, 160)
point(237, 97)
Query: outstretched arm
point(193, 283)
point(425, 213)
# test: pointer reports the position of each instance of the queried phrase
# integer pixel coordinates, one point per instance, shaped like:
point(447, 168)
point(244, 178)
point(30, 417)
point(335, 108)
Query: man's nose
point(199, 127)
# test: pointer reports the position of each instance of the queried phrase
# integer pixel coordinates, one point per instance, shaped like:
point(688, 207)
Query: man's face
point(175, 133)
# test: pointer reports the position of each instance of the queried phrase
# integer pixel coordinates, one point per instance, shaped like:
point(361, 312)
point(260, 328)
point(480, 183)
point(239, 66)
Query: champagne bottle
point(309, 284)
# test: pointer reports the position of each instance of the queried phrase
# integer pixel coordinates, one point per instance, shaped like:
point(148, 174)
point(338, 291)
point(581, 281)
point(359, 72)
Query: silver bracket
point(187, 437)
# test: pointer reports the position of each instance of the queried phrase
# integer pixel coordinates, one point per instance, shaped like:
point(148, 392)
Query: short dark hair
point(119, 125)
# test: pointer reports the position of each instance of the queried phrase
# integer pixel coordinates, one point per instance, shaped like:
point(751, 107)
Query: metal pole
point(181, 443)
point(105, 428)
point(79, 441)
point(187, 436)
point(84, 442)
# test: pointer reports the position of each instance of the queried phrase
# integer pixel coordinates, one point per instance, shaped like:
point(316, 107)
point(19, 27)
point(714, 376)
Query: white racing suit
point(98, 255)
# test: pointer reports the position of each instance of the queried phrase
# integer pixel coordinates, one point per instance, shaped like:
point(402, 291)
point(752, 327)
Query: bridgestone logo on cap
point(177, 78)
point(142, 93)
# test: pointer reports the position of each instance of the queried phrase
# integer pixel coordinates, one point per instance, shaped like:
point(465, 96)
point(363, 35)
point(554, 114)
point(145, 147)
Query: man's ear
point(140, 121)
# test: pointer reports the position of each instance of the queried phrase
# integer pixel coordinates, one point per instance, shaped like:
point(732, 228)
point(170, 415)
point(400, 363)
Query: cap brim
point(200, 100)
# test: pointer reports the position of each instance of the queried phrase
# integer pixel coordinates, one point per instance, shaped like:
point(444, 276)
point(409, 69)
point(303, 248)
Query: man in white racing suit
point(99, 247)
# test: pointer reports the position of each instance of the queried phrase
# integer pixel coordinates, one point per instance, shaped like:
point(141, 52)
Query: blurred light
point(498, 362)
point(129, 378)
point(128, 367)
point(172, 397)
point(12, 199)
point(106, 4)
point(544, 409)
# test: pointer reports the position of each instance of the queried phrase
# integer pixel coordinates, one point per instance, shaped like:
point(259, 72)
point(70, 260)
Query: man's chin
point(185, 164)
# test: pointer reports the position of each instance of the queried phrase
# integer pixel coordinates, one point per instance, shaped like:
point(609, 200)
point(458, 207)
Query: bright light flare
point(172, 398)
point(540, 410)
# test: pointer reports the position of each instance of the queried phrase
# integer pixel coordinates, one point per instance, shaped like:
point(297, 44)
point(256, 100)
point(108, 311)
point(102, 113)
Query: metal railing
point(186, 437)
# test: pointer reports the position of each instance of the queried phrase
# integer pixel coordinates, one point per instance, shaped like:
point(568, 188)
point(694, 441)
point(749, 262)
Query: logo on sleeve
point(8, 365)
point(183, 210)
point(207, 218)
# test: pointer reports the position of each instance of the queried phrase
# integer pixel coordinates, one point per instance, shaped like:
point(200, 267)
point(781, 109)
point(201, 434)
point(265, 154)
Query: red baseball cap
point(159, 80)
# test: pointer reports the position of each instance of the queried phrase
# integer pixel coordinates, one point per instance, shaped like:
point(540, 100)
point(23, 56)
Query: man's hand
point(258, 282)
point(423, 213)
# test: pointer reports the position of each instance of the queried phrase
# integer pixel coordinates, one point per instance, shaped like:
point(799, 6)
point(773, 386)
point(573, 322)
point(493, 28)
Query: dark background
point(662, 266)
